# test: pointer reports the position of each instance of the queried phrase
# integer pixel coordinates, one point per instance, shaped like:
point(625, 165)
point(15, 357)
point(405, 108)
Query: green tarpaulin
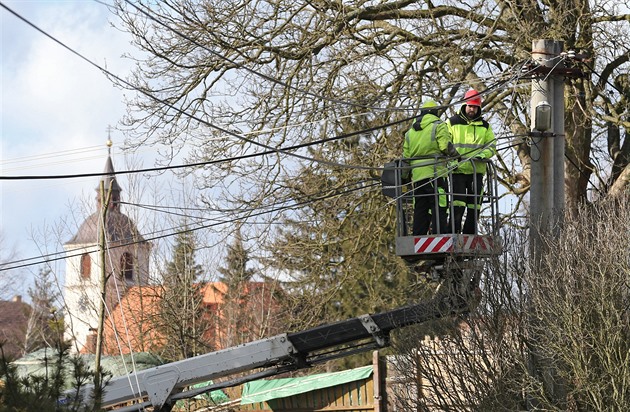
point(264, 390)
point(217, 397)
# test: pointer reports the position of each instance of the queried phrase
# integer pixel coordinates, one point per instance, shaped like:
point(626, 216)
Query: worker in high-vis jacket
point(426, 143)
point(474, 140)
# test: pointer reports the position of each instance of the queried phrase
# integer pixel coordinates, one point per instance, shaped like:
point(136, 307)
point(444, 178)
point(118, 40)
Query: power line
point(241, 157)
point(56, 256)
point(23, 159)
point(583, 173)
point(191, 116)
point(166, 209)
point(270, 149)
point(51, 257)
point(206, 163)
point(210, 162)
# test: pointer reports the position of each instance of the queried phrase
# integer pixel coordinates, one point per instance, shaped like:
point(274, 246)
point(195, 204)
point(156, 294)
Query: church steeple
point(109, 182)
point(126, 261)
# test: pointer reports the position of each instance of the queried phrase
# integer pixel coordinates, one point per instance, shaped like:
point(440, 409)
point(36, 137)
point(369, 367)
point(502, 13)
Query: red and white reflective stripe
point(433, 244)
point(477, 243)
point(445, 243)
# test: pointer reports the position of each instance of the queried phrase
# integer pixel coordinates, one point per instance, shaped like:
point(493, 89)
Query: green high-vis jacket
point(473, 138)
point(428, 136)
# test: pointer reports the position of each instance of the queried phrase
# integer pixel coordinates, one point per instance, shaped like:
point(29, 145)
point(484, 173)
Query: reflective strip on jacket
point(431, 140)
point(471, 138)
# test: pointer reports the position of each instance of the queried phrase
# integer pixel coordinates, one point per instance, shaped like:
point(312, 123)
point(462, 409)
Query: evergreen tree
point(236, 273)
point(337, 249)
point(236, 307)
point(44, 312)
point(183, 317)
point(58, 387)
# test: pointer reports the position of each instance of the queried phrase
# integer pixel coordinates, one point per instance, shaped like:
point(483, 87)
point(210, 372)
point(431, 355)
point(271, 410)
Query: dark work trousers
point(467, 192)
point(429, 206)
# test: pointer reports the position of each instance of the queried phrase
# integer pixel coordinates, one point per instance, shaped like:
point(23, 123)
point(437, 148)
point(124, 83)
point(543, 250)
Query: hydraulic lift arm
point(161, 386)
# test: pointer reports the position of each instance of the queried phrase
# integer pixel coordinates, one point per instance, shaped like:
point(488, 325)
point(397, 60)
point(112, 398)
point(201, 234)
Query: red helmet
point(472, 98)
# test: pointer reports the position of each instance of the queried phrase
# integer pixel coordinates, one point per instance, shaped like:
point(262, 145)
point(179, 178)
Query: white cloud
point(54, 98)
point(54, 102)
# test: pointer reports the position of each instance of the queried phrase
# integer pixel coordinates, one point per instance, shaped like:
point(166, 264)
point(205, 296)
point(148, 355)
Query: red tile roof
point(132, 324)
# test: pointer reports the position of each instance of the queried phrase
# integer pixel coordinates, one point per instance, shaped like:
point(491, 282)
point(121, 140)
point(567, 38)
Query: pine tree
point(44, 311)
point(338, 247)
point(236, 276)
point(58, 387)
point(183, 317)
point(236, 273)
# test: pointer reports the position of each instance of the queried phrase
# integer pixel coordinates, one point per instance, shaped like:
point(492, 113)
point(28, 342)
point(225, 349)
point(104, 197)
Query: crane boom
point(161, 386)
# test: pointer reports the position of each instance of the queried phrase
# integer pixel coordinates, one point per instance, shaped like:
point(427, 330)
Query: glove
point(452, 152)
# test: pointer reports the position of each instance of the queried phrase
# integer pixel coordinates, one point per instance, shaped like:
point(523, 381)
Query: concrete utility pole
point(547, 185)
point(547, 149)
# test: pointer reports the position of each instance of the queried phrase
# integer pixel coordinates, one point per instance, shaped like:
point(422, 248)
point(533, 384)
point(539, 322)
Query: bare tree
point(234, 78)
point(473, 361)
point(289, 104)
point(565, 326)
point(580, 307)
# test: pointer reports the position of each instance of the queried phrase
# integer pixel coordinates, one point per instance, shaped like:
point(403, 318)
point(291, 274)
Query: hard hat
point(472, 98)
point(429, 104)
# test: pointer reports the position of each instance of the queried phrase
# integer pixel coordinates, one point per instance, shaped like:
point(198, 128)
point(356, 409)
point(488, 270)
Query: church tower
point(126, 262)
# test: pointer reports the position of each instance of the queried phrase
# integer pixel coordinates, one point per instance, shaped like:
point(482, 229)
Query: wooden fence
point(358, 396)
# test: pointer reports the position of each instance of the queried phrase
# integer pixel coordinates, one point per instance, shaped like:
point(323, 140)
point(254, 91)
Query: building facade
point(125, 263)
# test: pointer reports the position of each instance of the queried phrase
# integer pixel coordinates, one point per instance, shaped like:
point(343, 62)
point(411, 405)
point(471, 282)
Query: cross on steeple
point(109, 142)
point(109, 177)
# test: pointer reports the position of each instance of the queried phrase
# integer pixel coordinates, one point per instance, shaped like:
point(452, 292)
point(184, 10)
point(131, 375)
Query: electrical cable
point(206, 163)
point(600, 76)
point(241, 157)
point(210, 162)
point(193, 117)
point(583, 173)
point(153, 169)
point(170, 232)
point(211, 125)
point(51, 256)
point(232, 210)
point(20, 160)
point(274, 150)
point(254, 72)
point(122, 312)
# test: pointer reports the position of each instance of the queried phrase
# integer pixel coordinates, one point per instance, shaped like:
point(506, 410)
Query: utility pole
point(547, 187)
point(547, 148)
point(558, 154)
point(105, 199)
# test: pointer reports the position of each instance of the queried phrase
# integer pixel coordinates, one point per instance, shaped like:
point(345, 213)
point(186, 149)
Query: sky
point(55, 114)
